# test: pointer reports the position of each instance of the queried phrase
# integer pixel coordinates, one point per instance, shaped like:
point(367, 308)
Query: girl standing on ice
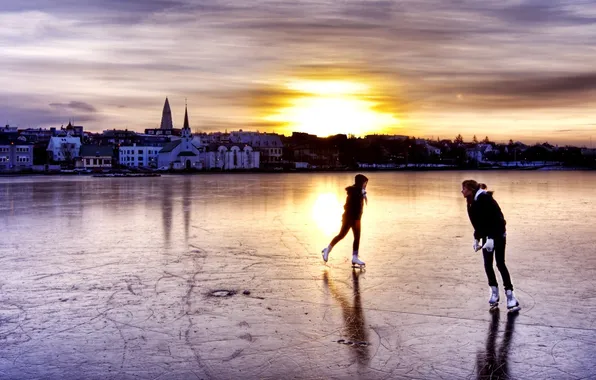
point(351, 218)
point(489, 226)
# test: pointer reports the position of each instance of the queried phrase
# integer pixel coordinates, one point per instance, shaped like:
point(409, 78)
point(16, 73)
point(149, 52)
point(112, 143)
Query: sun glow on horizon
point(327, 108)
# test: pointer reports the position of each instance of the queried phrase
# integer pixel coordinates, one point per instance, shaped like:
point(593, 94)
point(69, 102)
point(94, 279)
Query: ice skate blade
point(358, 266)
point(514, 309)
point(493, 307)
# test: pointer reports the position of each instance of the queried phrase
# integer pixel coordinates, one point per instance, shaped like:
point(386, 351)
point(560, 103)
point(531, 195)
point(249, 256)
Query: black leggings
point(499, 254)
point(345, 227)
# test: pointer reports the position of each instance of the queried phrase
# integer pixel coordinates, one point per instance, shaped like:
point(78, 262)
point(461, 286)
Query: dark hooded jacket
point(355, 199)
point(486, 217)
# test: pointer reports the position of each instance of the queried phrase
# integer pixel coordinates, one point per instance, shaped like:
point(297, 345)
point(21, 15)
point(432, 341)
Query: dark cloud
point(420, 56)
point(74, 106)
point(26, 110)
point(76, 7)
point(542, 12)
point(542, 86)
point(26, 117)
point(517, 92)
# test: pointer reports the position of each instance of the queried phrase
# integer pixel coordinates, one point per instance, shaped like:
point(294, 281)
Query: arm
point(476, 216)
point(495, 221)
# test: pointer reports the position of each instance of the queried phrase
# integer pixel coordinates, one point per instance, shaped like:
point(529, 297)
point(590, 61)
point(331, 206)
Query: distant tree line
point(349, 151)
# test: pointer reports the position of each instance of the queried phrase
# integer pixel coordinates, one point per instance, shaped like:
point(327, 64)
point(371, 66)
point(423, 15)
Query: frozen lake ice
point(220, 277)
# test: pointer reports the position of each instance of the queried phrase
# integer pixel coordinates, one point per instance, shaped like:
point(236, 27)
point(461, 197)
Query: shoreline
point(138, 174)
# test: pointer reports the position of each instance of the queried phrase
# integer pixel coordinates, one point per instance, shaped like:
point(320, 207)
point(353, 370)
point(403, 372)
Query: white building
point(184, 153)
point(139, 156)
point(479, 152)
point(201, 153)
point(232, 157)
point(269, 144)
point(95, 157)
point(64, 149)
point(432, 150)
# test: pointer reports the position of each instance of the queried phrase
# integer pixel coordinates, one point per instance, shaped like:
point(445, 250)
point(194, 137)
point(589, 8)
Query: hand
point(489, 245)
point(476, 245)
point(364, 196)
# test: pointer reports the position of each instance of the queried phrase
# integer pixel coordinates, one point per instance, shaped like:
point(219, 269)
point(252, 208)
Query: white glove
point(489, 245)
point(476, 245)
point(364, 196)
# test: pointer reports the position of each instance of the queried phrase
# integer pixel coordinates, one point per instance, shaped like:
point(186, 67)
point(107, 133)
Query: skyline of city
point(168, 118)
point(513, 70)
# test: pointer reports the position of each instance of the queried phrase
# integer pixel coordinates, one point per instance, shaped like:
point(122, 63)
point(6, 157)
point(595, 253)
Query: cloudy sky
point(427, 68)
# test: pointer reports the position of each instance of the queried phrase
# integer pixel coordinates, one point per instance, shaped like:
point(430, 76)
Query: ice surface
point(220, 276)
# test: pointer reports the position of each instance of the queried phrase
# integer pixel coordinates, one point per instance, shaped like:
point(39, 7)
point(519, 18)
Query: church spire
point(186, 124)
point(186, 130)
point(166, 116)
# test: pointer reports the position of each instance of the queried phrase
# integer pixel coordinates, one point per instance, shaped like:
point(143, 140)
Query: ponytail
point(470, 184)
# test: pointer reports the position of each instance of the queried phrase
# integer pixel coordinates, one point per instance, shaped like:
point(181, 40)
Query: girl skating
point(351, 218)
point(490, 236)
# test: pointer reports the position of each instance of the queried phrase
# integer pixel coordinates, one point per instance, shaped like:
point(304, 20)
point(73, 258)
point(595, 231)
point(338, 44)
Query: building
point(95, 157)
point(479, 152)
point(38, 135)
point(139, 156)
point(184, 153)
point(64, 149)
point(16, 154)
point(232, 157)
point(8, 130)
point(72, 130)
point(192, 152)
point(166, 117)
point(163, 132)
point(117, 137)
point(268, 144)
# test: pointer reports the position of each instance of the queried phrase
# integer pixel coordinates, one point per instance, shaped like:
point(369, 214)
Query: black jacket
point(354, 203)
point(486, 217)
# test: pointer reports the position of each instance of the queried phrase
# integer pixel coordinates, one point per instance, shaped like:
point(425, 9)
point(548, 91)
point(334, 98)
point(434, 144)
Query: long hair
point(474, 186)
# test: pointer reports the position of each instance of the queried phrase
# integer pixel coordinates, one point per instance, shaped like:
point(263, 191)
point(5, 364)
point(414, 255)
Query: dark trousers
point(345, 227)
point(499, 254)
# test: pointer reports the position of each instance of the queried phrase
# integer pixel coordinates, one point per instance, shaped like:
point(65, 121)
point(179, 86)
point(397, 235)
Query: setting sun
point(326, 108)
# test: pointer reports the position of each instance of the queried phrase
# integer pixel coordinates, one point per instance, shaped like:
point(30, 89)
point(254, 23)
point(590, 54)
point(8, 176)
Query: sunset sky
point(510, 69)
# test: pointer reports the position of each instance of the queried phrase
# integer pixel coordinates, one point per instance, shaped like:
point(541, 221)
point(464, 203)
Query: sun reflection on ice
point(326, 213)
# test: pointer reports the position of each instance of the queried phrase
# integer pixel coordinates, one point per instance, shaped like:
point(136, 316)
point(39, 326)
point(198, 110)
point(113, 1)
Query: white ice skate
point(512, 303)
point(325, 253)
point(494, 298)
point(357, 263)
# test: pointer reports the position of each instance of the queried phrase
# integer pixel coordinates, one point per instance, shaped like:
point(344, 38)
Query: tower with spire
point(166, 116)
point(186, 133)
point(187, 152)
